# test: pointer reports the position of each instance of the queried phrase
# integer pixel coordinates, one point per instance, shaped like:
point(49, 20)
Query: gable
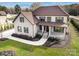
point(29, 16)
point(21, 15)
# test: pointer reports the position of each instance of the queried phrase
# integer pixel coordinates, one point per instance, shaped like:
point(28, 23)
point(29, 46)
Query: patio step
point(45, 35)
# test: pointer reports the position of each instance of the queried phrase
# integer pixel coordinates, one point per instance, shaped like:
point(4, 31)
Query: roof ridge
point(63, 10)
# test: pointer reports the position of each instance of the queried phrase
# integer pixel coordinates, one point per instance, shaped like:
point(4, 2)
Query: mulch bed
point(36, 38)
point(7, 53)
point(3, 39)
point(58, 44)
point(51, 41)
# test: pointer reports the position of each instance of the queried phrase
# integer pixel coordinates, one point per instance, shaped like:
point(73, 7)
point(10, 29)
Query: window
point(21, 19)
point(40, 27)
point(19, 29)
point(42, 18)
point(26, 30)
point(58, 29)
point(59, 19)
point(49, 19)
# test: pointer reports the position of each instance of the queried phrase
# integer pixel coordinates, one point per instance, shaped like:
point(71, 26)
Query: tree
point(3, 8)
point(35, 5)
point(17, 9)
point(73, 11)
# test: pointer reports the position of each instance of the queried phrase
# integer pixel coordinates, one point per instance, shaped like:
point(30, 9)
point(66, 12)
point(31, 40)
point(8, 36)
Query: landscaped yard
point(24, 49)
point(7, 26)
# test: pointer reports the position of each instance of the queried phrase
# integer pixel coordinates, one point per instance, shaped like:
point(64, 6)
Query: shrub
point(22, 36)
point(53, 39)
point(7, 26)
point(38, 36)
point(1, 28)
point(75, 24)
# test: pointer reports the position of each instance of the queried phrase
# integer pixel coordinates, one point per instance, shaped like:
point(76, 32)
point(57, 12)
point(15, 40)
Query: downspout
point(33, 30)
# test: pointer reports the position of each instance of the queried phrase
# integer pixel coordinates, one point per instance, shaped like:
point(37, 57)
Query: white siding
point(53, 18)
point(35, 29)
point(2, 19)
point(56, 34)
point(25, 24)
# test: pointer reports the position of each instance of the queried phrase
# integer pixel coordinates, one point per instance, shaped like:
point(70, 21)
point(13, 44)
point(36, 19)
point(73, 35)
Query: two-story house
point(3, 17)
point(46, 19)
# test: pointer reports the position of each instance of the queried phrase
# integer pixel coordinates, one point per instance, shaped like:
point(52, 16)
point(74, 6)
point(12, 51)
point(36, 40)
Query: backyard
point(22, 49)
point(7, 26)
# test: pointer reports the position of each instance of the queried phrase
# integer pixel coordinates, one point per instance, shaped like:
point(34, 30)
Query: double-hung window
point(26, 30)
point(42, 18)
point(22, 19)
point(59, 19)
point(19, 29)
point(48, 19)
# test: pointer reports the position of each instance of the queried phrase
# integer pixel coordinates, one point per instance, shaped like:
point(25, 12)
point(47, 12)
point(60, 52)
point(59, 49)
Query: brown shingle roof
point(2, 13)
point(50, 23)
point(29, 16)
point(50, 11)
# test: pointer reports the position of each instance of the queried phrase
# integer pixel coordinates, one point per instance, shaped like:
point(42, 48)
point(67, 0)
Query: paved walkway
point(74, 17)
point(36, 43)
point(8, 33)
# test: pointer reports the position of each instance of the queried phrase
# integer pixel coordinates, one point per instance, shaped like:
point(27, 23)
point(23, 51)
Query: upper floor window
point(19, 29)
point(59, 19)
point(42, 18)
point(26, 30)
point(48, 19)
point(21, 19)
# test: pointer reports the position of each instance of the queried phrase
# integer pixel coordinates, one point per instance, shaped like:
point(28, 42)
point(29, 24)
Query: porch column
point(49, 30)
point(42, 29)
point(65, 30)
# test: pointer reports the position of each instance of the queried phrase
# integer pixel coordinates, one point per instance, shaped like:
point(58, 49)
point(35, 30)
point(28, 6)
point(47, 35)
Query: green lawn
point(24, 49)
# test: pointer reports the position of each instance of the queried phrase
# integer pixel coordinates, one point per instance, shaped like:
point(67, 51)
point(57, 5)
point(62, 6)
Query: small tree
point(17, 9)
point(73, 11)
point(1, 29)
point(35, 5)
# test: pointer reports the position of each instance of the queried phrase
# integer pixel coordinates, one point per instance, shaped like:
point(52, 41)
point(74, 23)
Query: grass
point(29, 50)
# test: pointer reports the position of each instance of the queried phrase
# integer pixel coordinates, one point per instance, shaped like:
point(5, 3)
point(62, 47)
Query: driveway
point(8, 33)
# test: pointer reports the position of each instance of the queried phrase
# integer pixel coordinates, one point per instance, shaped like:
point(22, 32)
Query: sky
point(28, 4)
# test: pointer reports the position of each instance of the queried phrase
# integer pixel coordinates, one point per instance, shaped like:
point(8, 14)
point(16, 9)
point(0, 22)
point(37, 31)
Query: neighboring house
point(47, 19)
point(3, 17)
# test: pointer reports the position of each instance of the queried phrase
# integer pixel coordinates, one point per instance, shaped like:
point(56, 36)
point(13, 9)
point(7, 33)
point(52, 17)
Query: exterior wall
point(35, 29)
point(25, 24)
point(56, 34)
point(51, 33)
point(53, 18)
point(3, 19)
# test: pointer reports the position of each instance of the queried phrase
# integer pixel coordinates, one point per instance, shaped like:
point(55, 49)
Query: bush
point(11, 26)
point(38, 36)
point(22, 36)
point(1, 28)
point(75, 24)
point(51, 39)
